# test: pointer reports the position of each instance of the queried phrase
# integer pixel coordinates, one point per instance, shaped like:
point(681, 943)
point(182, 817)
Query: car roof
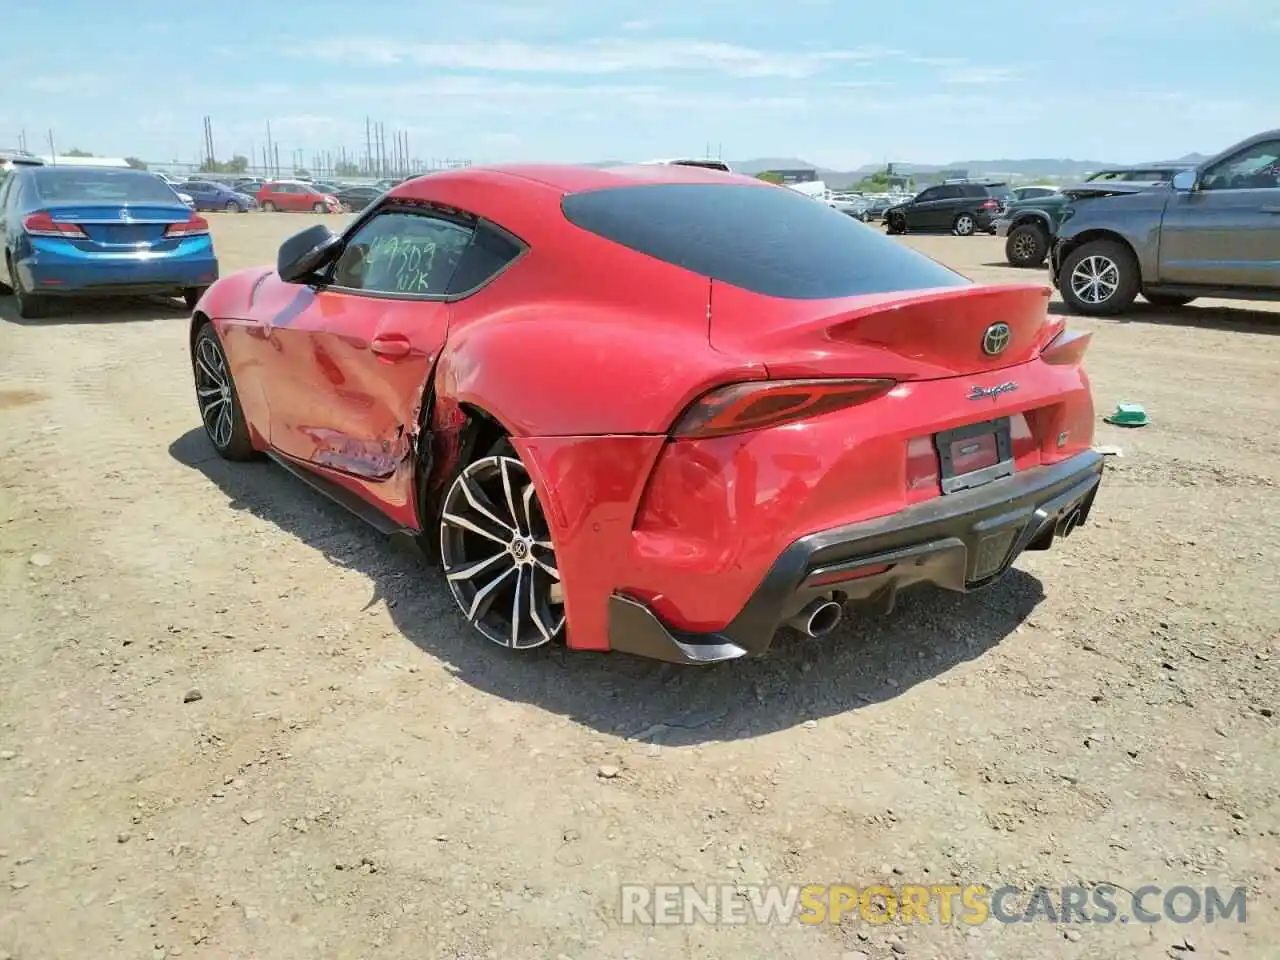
point(572, 178)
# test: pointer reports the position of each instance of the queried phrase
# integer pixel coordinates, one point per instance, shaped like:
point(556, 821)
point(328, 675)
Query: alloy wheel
point(964, 225)
point(498, 556)
point(1024, 247)
point(213, 392)
point(1095, 279)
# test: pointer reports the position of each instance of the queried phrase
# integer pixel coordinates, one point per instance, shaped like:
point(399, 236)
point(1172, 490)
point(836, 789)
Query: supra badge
point(996, 339)
point(981, 393)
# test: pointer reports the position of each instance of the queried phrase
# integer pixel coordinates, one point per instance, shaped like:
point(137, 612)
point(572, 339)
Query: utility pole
point(268, 151)
point(53, 153)
point(368, 147)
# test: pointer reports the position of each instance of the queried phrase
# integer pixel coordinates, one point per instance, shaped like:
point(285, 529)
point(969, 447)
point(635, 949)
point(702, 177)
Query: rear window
point(78, 185)
point(769, 240)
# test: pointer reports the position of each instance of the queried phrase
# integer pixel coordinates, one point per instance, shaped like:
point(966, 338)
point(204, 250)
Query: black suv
point(962, 208)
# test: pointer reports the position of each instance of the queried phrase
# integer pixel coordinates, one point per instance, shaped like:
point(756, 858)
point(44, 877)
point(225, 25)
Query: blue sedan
point(209, 195)
point(97, 231)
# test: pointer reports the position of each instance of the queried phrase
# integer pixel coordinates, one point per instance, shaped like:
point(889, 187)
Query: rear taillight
point(194, 227)
point(768, 403)
point(1067, 348)
point(990, 204)
point(42, 224)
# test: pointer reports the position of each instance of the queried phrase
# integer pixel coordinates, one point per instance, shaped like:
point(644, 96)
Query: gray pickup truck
point(1213, 232)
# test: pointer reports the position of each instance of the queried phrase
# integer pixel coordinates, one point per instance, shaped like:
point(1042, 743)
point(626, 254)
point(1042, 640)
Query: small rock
point(8, 754)
point(41, 559)
point(253, 816)
point(607, 772)
point(899, 948)
point(810, 724)
point(123, 837)
point(19, 885)
point(1072, 935)
point(191, 696)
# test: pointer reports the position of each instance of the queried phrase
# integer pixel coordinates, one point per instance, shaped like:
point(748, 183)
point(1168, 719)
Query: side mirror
point(306, 252)
point(1185, 181)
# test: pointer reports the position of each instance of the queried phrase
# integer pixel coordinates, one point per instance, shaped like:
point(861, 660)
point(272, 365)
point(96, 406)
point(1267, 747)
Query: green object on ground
point(1128, 415)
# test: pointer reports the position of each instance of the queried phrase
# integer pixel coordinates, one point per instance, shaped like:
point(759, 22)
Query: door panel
point(1222, 237)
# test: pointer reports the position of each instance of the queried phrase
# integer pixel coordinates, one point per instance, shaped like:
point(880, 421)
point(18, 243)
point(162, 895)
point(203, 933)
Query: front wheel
point(497, 553)
point(232, 207)
point(1165, 299)
point(1099, 278)
point(964, 225)
point(895, 223)
point(319, 208)
point(217, 400)
point(1027, 245)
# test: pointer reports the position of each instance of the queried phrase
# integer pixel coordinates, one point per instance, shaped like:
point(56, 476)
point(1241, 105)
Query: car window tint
point(769, 240)
point(83, 185)
point(489, 252)
point(1254, 168)
point(403, 253)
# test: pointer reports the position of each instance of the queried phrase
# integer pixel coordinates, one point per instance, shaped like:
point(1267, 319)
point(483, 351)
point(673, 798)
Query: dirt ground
point(354, 776)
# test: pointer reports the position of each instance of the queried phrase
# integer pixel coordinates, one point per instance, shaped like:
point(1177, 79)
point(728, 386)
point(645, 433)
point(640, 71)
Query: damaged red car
point(654, 409)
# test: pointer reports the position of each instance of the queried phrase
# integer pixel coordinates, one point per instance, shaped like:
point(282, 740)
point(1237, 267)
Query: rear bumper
point(116, 276)
point(959, 542)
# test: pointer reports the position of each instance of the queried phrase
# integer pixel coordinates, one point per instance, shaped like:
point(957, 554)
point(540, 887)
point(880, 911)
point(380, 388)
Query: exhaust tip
point(823, 618)
point(1068, 525)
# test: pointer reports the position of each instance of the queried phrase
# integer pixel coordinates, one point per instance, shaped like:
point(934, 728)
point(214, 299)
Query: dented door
point(353, 371)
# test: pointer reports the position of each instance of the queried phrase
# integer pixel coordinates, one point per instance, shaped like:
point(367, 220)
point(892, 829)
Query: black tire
point(268, 206)
point(1117, 279)
point(1165, 299)
point(211, 371)
point(192, 295)
point(319, 208)
point(501, 499)
point(30, 306)
point(5, 289)
point(232, 207)
point(1027, 245)
point(964, 225)
point(895, 223)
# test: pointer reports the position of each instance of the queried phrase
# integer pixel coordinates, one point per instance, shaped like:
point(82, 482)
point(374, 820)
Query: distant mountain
point(1049, 168)
point(1036, 168)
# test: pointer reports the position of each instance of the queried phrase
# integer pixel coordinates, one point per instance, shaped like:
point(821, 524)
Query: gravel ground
point(236, 723)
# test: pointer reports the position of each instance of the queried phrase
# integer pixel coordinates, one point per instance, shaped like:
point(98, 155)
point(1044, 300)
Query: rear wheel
point(1099, 278)
point(268, 206)
point(497, 553)
point(1027, 245)
point(217, 400)
point(1165, 299)
point(30, 306)
point(192, 296)
point(964, 225)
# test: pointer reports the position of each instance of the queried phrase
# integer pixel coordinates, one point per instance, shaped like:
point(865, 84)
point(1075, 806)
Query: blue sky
point(833, 82)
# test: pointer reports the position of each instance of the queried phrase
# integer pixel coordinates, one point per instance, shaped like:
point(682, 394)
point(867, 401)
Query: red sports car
point(654, 408)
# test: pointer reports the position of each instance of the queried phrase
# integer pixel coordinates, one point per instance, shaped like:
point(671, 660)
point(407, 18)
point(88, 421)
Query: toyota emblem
point(996, 338)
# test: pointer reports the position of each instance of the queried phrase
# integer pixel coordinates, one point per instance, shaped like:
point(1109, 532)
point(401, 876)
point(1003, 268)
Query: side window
point(933, 193)
point(403, 253)
point(489, 252)
point(1256, 168)
point(949, 193)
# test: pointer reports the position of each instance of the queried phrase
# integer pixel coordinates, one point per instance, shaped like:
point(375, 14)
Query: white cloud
point(976, 75)
point(594, 57)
